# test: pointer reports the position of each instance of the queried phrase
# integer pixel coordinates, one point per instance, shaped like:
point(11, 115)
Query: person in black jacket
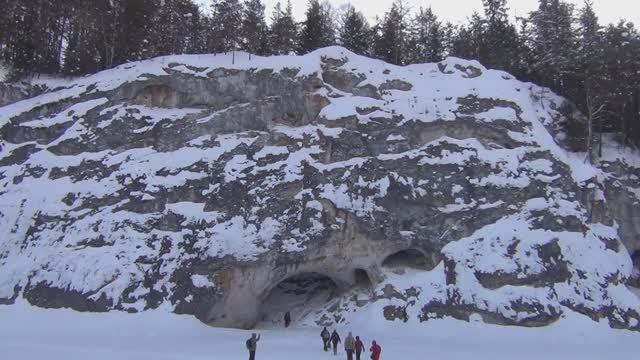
point(325, 336)
point(335, 340)
point(287, 319)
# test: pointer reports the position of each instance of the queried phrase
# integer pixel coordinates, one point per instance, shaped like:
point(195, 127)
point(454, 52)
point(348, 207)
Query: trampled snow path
point(33, 333)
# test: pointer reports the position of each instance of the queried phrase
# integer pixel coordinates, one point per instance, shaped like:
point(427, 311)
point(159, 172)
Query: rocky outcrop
point(203, 184)
point(621, 193)
point(10, 93)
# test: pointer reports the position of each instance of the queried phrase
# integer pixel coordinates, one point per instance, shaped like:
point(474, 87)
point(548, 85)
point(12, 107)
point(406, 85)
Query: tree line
point(557, 46)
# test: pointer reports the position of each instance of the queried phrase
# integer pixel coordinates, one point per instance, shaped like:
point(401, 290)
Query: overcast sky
point(458, 10)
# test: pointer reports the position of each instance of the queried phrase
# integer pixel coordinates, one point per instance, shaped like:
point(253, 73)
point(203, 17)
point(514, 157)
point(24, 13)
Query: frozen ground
point(33, 333)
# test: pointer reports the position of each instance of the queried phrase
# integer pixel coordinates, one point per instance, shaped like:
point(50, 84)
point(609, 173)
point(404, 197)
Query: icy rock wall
point(199, 183)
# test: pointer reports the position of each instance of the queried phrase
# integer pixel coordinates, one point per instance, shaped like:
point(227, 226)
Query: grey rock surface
point(202, 184)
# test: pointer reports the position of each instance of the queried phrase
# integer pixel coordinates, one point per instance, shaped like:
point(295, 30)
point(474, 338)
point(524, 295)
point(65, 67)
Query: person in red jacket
point(375, 351)
point(359, 347)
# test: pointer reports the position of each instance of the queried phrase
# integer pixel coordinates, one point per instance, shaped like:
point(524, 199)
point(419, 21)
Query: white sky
point(458, 10)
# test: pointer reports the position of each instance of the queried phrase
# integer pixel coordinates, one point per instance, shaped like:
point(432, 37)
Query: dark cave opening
point(410, 258)
point(299, 295)
point(362, 280)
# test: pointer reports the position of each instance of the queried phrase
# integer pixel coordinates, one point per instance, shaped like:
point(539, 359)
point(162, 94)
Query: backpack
point(248, 344)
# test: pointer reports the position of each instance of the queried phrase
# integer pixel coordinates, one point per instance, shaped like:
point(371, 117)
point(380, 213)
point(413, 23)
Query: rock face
point(202, 184)
point(10, 93)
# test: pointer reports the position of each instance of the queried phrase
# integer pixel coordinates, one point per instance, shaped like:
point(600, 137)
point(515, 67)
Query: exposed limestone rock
point(10, 93)
point(203, 185)
point(624, 203)
point(396, 85)
point(157, 96)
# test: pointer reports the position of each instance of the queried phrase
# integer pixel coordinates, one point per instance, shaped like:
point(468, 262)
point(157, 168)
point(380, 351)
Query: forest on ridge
point(558, 45)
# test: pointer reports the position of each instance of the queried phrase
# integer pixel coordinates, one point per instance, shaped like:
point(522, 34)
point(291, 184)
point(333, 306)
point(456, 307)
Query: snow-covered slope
point(201, 184)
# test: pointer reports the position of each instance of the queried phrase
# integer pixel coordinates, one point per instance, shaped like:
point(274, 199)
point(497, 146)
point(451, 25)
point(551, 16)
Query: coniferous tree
point(283, 33)
point(132, 23)
point(35, 38)
point(426, 38)
point(622, 74)
point(552, 41)
point(355, 33)
point(317, 28)
point(500, 44)
point(197, 32)
point(6, 20)
point(53, 17)
point(21, 45)
point(227, 17)
point(392, 37)
point(83, 53)
point(254, 28)
point(598, 69)
point(589, 62)
point(589, 58)
point(467, 40)
point(175, 26)
point(448, 32)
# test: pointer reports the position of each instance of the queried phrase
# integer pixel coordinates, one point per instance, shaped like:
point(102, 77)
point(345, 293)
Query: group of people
point(351, 345)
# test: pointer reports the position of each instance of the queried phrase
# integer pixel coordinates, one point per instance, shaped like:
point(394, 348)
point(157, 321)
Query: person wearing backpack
point(359, 347)
point(325, 336)
point(252, 345)
point(335, 340)
point(375, 351)
point(349, 346)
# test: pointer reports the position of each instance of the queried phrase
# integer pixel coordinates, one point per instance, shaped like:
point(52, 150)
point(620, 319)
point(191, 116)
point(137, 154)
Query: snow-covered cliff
point(202, 184)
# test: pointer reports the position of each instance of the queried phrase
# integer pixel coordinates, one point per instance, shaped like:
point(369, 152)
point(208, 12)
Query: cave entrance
point(299, 295)
point(410, 258)
point(362, 280)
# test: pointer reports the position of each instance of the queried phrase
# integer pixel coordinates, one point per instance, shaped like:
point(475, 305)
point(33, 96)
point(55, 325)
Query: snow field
point(30, 333)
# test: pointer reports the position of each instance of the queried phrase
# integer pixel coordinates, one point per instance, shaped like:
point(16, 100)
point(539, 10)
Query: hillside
point(201, 185)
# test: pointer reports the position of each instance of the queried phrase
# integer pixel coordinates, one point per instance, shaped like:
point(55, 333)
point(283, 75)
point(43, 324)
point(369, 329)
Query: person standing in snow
point(335, 340)
point(375, 351)
point(287, 319)
point(359, 347)
point(325, 336)
point(349, 346)
point(252, 345)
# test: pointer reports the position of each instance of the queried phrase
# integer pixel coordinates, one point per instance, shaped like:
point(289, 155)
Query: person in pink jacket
point(375, 350)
